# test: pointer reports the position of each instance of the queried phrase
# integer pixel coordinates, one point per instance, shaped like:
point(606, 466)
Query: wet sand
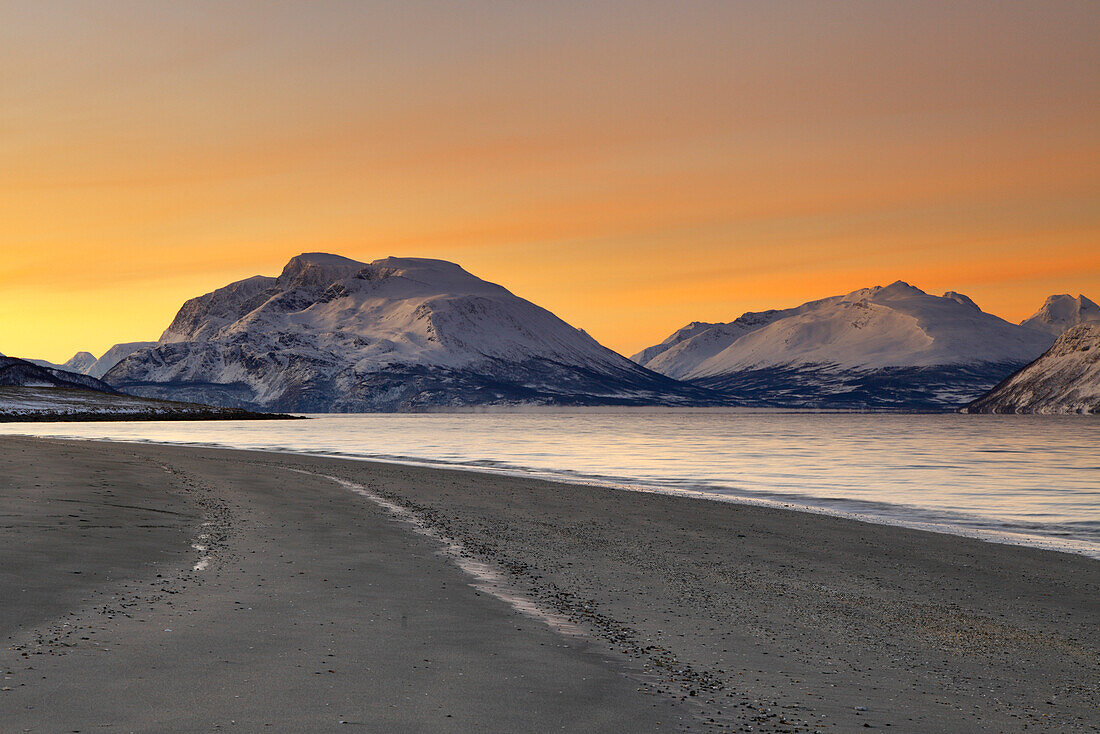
point(317, 608)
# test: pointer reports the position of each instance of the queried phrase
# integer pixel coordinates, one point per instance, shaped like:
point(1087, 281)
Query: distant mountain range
point(1065, 379)
point(331, 334)
point(85, 363)
point(892, 347)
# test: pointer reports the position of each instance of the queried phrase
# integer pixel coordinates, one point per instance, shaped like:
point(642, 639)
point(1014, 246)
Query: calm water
point(1023, 479)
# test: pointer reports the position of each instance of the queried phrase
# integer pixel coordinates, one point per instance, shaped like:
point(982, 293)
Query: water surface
point(1020, 479)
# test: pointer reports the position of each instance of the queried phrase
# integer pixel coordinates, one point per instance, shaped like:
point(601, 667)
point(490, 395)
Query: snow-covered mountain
point(1065, 379)
point(333, 334)
point(883, 347)
point(113, 356)
point(78, 363)
point(1063, 312)
point(85, 363)
point(680, 335)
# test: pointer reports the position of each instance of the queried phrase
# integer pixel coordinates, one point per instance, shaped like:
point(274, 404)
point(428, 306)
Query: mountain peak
point(1067, 302)
point(899, 288)
point(318, 269)
point(321, 259)
point(80, 362)
point(1061, 312)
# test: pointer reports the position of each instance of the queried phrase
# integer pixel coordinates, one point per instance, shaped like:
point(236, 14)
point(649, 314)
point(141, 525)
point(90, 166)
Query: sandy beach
point(155, 588)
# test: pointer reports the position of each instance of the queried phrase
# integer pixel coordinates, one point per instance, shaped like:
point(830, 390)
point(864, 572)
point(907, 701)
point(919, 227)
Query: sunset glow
point(630, 171)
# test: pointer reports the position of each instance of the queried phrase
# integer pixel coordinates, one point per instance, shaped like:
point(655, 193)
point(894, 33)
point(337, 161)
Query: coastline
point(777, 619)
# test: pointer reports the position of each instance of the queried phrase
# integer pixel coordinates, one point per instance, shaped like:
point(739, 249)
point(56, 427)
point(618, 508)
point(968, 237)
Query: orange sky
point(630, 166)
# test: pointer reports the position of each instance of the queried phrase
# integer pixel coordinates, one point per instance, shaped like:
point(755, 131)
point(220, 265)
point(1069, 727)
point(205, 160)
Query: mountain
point(883, 347)
point(681, 335)
point(78, 363)
point(24, 373)
point(113, 356)
point(331, 334)
point(1063, 312)
point(85, 363)
point(1065, 379)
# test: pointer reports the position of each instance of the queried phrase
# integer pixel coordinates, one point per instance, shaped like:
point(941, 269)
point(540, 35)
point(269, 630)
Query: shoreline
point(776, 619)
point(1049, 543)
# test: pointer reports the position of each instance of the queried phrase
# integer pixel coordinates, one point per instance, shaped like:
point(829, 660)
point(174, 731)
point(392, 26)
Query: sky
point(631, 166)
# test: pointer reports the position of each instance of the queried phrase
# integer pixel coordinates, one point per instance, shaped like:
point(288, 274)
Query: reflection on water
point(1029, 479)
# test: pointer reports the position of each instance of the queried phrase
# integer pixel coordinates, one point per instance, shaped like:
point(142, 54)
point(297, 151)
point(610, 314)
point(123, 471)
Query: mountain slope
point(24, 373)
point(1065, 379)
point(85, 363)
point(881, 347)
point(333, 334)
point(113, 356)
point(1063, 312)
point(31, 392)
point(78, 363)
point(679, 336)
point(697, 342)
